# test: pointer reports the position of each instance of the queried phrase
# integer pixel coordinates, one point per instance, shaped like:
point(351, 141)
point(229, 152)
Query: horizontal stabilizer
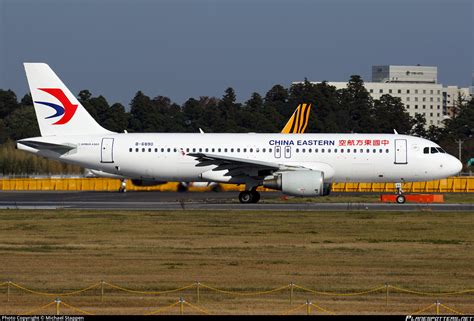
point(57, 148)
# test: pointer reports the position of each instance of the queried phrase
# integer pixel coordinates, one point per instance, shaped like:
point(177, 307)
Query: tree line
point(346, 110)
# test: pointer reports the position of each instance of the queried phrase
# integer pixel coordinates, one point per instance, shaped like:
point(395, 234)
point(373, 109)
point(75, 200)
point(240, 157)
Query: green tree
point(116, 119)
point(357, 103)
point(418, 125)
point(8, 102)
point(389, 114)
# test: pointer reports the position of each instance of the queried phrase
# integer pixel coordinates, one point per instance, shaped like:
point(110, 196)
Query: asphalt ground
point(271, 201)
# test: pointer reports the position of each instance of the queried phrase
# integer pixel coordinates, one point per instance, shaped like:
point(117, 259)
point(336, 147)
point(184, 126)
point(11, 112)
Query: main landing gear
point(248, 197)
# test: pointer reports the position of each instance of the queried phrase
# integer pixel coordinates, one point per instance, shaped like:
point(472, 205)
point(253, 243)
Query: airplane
point(296, 124)
point(298, 165)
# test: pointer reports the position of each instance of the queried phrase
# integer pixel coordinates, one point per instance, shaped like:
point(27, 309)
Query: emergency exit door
point(107, 150)
point(401, 151)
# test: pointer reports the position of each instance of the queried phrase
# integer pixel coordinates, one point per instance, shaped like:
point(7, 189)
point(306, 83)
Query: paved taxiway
point(192, 201)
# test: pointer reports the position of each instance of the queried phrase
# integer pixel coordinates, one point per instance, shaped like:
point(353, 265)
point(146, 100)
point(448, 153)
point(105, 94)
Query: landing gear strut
point(123, 186)
point(248, 197)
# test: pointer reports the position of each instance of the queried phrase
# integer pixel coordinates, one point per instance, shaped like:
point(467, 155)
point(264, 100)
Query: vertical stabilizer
point(58, 111)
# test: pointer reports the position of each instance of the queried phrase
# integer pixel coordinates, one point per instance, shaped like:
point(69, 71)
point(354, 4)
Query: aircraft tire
point(401, 199)
point(255, 197)
point(246, 197)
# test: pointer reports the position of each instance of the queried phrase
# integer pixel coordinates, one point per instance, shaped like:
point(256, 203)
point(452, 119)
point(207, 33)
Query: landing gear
point(248, 197)
point(123, 186)
point(400, 199)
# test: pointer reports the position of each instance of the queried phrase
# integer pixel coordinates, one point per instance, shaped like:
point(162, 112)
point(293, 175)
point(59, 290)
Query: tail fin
point(58, 111)
point(299, 120)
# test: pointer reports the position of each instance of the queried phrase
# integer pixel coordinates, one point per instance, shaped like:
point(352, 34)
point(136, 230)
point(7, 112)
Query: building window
point(390, 91)
point(381, 91)
point(371, 91)
point(416, 91)
point(408, 91)
point(408, 98)
point(424, 106)
point(416, 106)
point(399, 91)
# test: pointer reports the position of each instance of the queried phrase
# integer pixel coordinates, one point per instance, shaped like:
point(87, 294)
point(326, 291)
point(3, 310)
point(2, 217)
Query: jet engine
point(299, 183)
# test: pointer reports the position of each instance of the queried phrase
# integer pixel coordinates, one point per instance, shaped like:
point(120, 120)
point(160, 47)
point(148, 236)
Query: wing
point(240, 166)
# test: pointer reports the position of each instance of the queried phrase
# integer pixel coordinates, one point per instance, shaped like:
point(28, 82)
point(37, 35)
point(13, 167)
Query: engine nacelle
point(143, 182)
point(299, 183)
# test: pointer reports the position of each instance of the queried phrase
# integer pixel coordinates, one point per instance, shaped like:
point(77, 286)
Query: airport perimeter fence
point(458, 184)
point(180, 305)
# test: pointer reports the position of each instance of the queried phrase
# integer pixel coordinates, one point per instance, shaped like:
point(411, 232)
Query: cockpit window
point(440, 150)
point(433, 150)
point(426, 150)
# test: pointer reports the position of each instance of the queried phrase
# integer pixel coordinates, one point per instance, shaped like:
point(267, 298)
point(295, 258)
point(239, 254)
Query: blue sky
point(191, 48)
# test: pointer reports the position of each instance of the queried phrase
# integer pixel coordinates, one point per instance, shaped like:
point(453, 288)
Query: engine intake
point(299, 183)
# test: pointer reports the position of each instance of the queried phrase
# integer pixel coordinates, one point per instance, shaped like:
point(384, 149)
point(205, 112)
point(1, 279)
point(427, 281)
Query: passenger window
point(219, 150)
point(238, 150)
point(309, 150)
point(143, 149)
point(156, 150)
point(245, 150)
point(329, 150)
point(149, 150)
point(361, 150)
point(342, 150)
point(207, 150)
point(269, 150)
point(368, 150)
point(335, 150)
point(130, 150)
point(251, 150)
point(231, 150)
point(213, 150)
point(433, 150)
point(175, 150)
point(374, 151)
point(297, 150)
point(263, 150)
point(386, 150)
point(200, 150)
point(315, 150)
point(194, 150)
point(322, 150)
point(380, 150)
point(348, 150)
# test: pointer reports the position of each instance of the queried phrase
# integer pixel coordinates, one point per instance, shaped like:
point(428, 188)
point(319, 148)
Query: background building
point(418, 89)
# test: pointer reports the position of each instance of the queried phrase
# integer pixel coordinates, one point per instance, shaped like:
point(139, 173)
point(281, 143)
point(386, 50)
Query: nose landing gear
point(400, 199)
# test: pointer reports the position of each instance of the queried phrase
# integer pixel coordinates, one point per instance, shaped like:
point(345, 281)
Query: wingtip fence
point(198, 286)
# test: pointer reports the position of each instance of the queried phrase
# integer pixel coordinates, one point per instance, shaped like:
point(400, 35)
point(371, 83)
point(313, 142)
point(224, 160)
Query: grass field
point(63, 250)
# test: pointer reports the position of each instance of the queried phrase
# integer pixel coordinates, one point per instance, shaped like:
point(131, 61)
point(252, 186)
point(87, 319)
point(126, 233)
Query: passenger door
point(277, 151)
point(401, 151)
point(107, 150)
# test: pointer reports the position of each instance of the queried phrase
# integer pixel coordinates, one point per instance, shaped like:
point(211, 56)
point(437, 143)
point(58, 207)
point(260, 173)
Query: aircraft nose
point(455, 166)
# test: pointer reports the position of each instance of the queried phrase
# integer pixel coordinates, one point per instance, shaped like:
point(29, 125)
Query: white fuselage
point(342, 157)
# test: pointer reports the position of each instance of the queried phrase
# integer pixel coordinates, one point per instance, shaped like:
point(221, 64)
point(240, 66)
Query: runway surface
point(193, 201)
